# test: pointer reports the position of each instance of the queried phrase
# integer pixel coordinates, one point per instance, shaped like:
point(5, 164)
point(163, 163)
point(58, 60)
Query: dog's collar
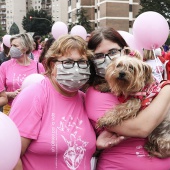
point(146, 95)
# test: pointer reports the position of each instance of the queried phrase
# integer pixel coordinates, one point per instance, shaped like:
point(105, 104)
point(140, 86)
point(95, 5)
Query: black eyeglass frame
point(64, 62)
point(104, 55)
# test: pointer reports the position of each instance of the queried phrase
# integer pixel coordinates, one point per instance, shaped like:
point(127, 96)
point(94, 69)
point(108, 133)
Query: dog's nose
point(122, 74)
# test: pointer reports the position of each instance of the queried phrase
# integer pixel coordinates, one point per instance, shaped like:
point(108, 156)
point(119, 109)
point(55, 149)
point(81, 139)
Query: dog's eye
point(131, 68)
point(119, 65)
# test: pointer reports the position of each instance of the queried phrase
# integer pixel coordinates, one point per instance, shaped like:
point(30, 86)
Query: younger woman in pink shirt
point(129, 154)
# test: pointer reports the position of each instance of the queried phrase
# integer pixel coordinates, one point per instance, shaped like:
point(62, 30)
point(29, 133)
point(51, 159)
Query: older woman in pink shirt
point(15, 70)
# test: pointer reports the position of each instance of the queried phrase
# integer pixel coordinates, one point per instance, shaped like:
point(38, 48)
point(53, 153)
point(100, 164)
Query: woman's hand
point(16, 92)
point(107, 140)
point(13, 94)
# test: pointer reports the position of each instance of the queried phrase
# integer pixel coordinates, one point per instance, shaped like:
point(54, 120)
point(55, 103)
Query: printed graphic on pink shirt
point(76, 147)
point(140, 152)
point(17, 80)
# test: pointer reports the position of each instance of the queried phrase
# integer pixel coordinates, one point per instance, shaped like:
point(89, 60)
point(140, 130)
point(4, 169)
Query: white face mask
point(15, 52)
point(101, 68)
point(72, 79)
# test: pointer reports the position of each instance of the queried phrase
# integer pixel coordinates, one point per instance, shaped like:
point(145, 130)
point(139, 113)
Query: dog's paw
point(156, 151)
point(106, 121)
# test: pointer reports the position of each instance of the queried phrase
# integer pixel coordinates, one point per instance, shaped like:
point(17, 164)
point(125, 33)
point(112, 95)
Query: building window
point(130, 8)
point(130, 24)
point(69, 2)
point(69, 15)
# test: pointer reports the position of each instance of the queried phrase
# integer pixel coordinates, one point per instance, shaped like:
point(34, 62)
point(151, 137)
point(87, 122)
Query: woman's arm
point(24, 143)
point(3, 98)
point(147, 119)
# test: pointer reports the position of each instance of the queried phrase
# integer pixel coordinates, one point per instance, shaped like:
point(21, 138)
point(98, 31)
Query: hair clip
point(132, 53)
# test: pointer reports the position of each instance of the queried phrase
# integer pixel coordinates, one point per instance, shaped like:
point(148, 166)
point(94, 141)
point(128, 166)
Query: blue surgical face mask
point(72, 79)
point(15, 52)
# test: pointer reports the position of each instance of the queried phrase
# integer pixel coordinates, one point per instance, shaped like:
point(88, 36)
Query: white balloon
point(79, 30)
point(31, 79)
point(10, 143)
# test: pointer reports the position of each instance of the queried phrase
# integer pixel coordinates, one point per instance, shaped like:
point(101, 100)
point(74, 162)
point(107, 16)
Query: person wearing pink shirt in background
point(36, 53)
point(3, 96)
point(124, 153)
point(37, 48)
point(15, 70)
point(54, 127)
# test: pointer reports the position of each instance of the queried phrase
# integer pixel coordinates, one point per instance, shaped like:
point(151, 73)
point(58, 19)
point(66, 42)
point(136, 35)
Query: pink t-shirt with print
point(62, 136)
point(13, 74)
point(129, 154)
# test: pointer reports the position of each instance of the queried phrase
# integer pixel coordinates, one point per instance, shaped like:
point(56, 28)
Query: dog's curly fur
point(126, 76)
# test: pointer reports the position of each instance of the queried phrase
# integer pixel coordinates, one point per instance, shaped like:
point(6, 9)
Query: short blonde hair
point(26, 41)
point(62, 46)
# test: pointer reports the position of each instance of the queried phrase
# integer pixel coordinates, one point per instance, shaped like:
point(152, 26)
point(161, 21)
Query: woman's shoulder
point(8, 63)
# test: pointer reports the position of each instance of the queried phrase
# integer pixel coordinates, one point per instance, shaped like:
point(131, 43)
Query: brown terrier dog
point(131, 80)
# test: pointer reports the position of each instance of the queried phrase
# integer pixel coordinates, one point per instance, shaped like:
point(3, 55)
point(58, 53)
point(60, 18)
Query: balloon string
point(157, 64)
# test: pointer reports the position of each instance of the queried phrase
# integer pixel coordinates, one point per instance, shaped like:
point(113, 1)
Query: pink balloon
point(151, 30)
point(79, 30)
point(58, 29)
point(31, 79)
point(10, 143)
point(130, 40)
point(6, 40)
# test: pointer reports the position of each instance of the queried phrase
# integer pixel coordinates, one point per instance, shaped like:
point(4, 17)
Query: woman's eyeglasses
point(70, 63)
point(99, 58)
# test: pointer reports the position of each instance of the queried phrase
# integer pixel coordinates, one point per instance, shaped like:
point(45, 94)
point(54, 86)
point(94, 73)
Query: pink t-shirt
point(62, 136)
point(129, 154)
point(36, 54)
point(13, 74)
point(2, 88)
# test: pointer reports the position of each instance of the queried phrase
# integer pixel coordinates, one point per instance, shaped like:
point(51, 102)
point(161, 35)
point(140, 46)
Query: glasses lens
point(99, 58)
point(83, 64)
point(114, 53)
point(68, 64)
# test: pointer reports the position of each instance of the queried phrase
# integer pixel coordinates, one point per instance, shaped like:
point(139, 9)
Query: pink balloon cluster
point(79, 30)
point(151, 30)
point(6, 40)
point(10, 143)
point(58, 29)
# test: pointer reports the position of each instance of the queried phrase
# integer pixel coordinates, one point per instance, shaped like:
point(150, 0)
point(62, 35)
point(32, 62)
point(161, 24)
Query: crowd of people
point(57, 116)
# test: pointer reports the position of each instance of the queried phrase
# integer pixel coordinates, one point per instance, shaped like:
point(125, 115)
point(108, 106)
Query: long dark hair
point(107, 33)
point(48, 43)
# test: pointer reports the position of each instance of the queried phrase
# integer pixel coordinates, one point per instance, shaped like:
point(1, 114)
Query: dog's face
point(126, 75)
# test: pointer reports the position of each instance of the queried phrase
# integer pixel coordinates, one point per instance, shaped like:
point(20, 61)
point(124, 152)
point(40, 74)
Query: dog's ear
point(148, 73)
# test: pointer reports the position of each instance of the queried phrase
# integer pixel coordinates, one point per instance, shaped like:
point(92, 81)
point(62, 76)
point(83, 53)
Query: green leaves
point(40, 23)
point(162, 7)
point(82, 19)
